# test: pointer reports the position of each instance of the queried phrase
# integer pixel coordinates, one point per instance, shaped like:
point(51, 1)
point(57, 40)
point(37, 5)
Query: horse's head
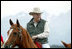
point(14, 34)
point(17, 35)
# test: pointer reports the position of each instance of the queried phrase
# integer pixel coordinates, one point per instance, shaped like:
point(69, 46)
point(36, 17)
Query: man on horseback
point(38, 28)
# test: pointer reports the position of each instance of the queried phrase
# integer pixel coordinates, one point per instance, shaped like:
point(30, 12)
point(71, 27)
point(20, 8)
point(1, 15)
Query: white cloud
point(52, 7)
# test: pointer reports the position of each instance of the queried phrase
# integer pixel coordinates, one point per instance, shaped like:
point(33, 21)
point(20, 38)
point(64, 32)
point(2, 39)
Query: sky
point(56, 12)
point(51, 7)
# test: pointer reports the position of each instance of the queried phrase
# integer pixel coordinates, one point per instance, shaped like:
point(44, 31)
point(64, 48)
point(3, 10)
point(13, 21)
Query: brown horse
point(18, 36)
point(66, 45)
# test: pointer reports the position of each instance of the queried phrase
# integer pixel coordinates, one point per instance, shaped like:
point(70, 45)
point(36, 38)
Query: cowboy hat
point(35, 10)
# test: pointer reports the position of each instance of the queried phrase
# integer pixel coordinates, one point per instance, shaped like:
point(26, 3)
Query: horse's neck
point(27, 40)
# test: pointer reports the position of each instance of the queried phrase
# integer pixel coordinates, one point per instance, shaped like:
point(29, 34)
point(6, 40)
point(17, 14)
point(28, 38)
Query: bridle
point(19, 35)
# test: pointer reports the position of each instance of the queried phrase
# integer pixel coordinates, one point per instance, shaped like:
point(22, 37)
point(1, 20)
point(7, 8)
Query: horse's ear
point(11, 23)
point(18, 23)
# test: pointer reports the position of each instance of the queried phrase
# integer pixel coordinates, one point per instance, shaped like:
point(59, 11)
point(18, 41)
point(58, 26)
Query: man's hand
point(34, 37)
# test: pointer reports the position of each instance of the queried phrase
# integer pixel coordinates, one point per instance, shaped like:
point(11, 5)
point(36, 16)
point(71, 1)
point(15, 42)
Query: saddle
point(38, 44)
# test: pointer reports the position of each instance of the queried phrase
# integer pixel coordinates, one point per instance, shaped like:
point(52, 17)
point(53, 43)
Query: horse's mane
point(27, 40)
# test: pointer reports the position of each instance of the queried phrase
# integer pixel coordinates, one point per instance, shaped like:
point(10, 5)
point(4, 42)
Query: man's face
point(36, 15)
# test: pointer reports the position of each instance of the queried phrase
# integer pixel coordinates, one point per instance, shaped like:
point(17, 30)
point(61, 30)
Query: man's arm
point(45, 34)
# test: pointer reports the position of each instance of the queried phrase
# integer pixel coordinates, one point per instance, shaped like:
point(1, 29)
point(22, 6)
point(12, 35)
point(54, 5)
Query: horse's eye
point(14, 33)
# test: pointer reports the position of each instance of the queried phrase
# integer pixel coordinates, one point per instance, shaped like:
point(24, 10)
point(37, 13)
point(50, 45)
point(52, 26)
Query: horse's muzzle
point(6, 46)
